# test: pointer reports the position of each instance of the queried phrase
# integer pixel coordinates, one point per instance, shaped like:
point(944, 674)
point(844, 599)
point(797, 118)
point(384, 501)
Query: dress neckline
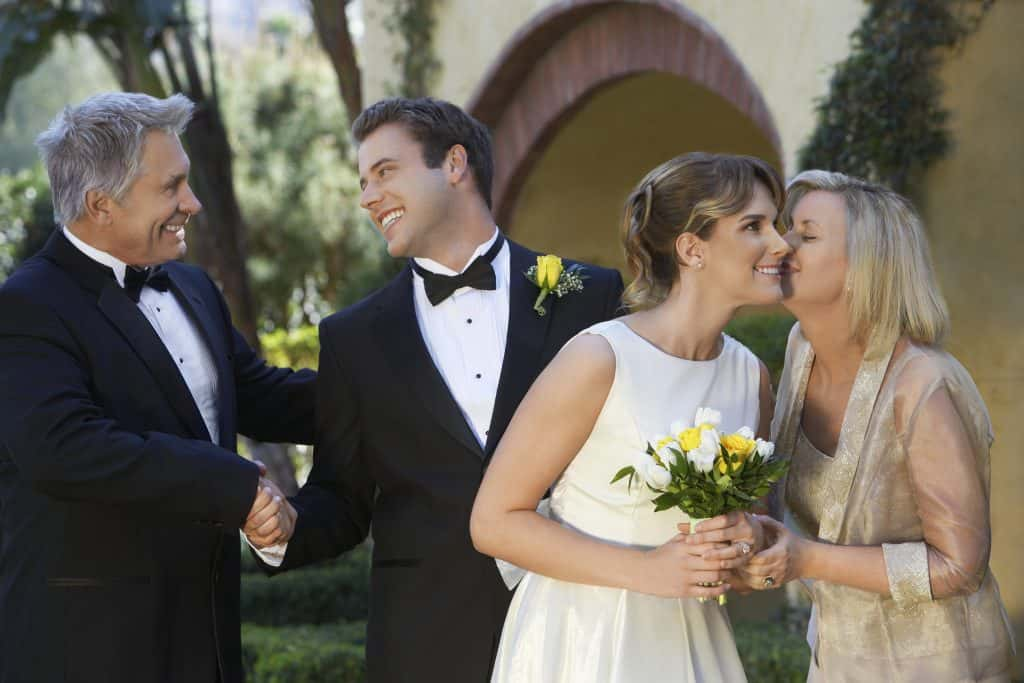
point(666, 354)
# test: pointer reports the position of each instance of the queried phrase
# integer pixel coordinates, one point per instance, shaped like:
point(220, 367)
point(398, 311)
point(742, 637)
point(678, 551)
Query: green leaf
point(624, 472)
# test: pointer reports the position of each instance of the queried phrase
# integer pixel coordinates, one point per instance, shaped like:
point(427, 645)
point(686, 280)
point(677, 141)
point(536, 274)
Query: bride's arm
point(548, 429)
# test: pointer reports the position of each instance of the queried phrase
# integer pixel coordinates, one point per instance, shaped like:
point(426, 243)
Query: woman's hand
point(777, 564)
point(736, 537)
point(676, 570)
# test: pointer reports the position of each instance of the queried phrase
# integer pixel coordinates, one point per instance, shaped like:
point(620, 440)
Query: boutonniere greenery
point(552, 278)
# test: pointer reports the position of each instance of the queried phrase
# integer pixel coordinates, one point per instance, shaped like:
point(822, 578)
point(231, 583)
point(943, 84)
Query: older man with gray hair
point(124, 386)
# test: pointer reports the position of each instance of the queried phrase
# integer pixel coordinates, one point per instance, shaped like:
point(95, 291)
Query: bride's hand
point(737, 535)
point(777, 564)
point(675, 570)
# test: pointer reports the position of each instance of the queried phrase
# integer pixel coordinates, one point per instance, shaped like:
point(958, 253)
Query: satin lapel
point(524, 344)
point(129, 320)
point(399, 337)
point(216, 343)
point(851, 442)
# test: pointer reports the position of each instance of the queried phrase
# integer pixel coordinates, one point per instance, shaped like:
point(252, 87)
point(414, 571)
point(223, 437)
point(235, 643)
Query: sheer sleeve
point(949, 488)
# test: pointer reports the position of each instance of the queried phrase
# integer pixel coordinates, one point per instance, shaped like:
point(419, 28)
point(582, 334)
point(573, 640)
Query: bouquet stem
point(694, 522)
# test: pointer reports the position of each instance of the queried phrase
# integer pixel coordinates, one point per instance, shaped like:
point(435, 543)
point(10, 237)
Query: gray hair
point(891, 286)
point(98, 145)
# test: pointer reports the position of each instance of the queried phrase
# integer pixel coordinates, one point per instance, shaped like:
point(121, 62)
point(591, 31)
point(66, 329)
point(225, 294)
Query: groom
point(417, 384)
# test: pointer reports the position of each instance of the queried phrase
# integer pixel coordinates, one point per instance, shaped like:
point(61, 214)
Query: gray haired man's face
point(148, 224)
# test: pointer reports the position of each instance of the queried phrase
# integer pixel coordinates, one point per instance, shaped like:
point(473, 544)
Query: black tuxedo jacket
point(120, 549)
point(394, 450)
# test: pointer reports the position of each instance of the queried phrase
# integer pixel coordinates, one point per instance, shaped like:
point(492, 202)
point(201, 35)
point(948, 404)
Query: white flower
point(765, 448)
point(677, 427)
point(707, 416)
point(746, 432)
point(650, 472)
point(703, 456)
point(667, 453)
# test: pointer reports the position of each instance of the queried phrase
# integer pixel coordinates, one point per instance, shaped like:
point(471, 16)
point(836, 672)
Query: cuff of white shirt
point(273, 555)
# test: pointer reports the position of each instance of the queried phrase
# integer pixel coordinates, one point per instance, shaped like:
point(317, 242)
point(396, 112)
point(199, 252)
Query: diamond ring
point(769, 581)
point(744, 547)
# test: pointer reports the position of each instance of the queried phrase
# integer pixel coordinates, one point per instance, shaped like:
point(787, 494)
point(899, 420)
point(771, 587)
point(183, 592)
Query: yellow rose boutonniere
point(551, 277)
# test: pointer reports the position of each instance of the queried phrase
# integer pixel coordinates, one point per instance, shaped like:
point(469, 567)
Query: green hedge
point(320, 594)
point(304, 654)
point(771, 653)
point(335, 652)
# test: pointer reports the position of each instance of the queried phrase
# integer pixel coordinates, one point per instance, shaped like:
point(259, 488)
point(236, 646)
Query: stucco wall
point(788, 46)
point(973, 206)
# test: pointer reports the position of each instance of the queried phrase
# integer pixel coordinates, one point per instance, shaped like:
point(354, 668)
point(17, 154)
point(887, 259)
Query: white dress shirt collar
point(440, 269)
point(101, 257)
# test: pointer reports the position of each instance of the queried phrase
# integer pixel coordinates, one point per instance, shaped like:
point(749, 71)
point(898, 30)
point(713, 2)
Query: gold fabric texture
point(910, 474)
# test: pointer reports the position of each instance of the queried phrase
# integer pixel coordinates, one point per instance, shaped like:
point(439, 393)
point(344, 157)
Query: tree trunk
point(332, 28)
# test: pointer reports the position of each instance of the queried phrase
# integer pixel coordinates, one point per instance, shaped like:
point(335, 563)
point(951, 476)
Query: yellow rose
point(739, 447)
point(549, 269)
point(689, 438)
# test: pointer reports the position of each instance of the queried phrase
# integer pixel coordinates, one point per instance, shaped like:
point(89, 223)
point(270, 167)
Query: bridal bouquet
point(703, 472)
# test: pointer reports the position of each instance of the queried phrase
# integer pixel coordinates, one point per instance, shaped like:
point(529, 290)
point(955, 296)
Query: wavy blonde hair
point(686, 194)
point(891, 286)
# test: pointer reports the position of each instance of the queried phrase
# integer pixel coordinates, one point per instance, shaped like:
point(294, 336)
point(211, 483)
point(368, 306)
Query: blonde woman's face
point(745, 252)
point(815, 272)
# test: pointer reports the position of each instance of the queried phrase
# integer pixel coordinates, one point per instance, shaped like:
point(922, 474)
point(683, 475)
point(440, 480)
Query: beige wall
point(974, 209)
point(788, 46)
point(572, 201)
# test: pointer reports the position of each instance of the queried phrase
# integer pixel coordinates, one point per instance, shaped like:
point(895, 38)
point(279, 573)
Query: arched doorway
point(592, 93)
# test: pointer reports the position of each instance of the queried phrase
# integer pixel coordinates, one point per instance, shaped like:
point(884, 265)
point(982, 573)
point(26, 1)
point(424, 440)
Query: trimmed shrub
point(320, 594)
point(771, 653)
point(304, 654)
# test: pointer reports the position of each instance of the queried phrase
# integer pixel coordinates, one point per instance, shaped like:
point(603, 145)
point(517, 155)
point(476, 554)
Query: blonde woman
point(609, 593)
point(889, 481)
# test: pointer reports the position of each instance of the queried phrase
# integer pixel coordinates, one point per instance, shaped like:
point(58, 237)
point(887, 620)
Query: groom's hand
point(271, 519)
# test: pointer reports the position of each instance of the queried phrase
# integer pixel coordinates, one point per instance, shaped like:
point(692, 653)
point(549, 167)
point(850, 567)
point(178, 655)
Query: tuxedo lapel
point(398, 335)
point(527, 332)
point(215, 340)
point(131, 323)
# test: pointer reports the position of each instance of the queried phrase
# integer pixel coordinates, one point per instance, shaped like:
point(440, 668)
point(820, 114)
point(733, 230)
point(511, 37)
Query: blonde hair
point(891, 286)
point(686, 194)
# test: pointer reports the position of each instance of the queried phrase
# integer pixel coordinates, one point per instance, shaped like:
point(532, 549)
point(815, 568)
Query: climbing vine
point(883, 118)
point(414, 22)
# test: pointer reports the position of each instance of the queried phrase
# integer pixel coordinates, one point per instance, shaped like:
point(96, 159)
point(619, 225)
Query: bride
point(609, 593)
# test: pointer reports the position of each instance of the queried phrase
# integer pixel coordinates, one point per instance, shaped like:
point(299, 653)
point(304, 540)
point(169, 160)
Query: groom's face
point(407, 201)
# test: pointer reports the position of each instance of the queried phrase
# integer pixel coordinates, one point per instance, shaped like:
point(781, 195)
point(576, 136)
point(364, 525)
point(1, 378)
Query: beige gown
point(905, 478)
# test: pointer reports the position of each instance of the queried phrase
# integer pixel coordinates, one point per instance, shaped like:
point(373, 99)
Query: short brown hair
point(438, 126)
point(686, 194)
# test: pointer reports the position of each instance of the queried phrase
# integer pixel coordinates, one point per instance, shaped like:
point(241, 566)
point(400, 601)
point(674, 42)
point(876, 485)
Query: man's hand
point(271, 519)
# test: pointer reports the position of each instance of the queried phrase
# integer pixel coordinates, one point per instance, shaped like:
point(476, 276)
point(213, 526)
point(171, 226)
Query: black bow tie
point(137, 278)
point(479, 275)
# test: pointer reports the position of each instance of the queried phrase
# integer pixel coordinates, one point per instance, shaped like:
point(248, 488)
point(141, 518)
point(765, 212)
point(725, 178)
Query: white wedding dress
point(560, 632)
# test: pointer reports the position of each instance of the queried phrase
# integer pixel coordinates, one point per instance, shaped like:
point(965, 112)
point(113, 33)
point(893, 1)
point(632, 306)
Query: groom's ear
point(455, 164)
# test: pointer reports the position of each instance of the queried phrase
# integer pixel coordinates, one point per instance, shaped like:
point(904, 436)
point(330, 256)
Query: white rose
point(667, 455)
point(765, 448)
point(746, 432)
point(707, 416)
point(658, 477)
point(676, 427)
point(703, 456)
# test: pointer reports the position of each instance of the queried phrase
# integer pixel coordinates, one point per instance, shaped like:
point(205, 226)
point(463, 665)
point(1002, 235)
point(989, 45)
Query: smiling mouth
point(771, 271)
point(390, 218)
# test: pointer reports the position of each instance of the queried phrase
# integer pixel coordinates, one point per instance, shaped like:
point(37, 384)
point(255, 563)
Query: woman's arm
point(549, 428)
point(953, 555)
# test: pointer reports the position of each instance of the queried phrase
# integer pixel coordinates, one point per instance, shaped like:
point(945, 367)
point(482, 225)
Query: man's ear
point(98, 205)
point(456, 164)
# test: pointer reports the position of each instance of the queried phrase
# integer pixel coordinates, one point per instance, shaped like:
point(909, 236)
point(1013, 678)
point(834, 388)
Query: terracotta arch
point(558, 60)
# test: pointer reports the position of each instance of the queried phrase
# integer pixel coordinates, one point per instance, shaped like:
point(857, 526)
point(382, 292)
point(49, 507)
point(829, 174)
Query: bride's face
point(744, 254)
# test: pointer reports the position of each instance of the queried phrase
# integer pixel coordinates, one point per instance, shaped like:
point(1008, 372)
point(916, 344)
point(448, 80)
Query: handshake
point(272, 518)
